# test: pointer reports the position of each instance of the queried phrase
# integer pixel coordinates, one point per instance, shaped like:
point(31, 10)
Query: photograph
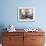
point(26, 14)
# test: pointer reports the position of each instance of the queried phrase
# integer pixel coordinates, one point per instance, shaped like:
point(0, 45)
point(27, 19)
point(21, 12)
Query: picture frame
point(26, 14)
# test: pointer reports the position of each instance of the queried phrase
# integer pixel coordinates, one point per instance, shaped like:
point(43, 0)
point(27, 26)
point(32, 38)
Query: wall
point(9, 13)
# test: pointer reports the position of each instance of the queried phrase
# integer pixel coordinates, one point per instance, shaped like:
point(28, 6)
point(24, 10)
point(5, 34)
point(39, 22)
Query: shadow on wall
point(2, 26)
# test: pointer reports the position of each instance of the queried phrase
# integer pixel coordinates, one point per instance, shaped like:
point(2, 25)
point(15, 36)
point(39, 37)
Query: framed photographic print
point(26, 14)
